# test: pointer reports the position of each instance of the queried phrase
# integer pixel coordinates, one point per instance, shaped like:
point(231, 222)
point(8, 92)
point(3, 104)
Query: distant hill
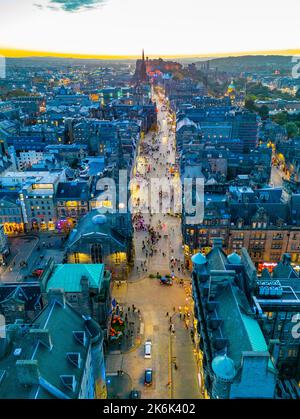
point(252, 63)
point(64, 62)
point(259, 63)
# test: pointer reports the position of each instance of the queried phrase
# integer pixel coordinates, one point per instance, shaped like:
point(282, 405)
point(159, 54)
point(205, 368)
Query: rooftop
point(47, 360)
point(68, 276)
point(72, 190)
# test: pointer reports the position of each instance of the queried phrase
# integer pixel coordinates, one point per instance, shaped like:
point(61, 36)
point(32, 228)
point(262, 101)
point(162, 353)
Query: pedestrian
point(167, 314)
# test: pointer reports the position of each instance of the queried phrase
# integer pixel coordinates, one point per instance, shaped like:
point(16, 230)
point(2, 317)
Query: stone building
point(101, 238)
point(20, 301)
point(59, 356)
point(232, 353)
point(72, 202)
point(87, 288)
point(277, 304)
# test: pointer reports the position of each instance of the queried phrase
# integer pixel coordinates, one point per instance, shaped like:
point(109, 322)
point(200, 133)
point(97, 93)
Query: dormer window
point(80, 336)
point(74, 358)
point(69, 381)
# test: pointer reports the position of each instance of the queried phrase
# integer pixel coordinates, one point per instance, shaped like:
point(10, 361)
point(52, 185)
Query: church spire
point(141, 69)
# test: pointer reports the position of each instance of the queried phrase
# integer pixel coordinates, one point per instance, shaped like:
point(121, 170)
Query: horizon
point(15, 54)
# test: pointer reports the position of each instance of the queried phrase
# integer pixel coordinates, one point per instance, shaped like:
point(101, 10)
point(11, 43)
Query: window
point(96, 253)
point(292, 353)
point(73, 298)
point(76, 258)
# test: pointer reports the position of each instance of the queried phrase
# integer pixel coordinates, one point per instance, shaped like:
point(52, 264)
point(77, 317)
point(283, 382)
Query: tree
point(250, 104)
point(281, 118)
point(291, 129)
point(264, 112)
point(16, 93)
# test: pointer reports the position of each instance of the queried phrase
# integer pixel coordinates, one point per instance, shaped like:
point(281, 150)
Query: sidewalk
point(131, 337)
point(185, 384)
point(118, 386)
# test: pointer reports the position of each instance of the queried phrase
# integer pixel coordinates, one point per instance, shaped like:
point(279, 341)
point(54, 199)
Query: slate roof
point(60, 322)
point(216, 259)
point(72, 190)
point(27, 293)
point(284, 271)
point(247, 211)
point(88, 230)
point(10, 197)
point(238, 325)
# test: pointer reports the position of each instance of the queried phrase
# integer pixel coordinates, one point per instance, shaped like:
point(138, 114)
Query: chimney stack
point(286, 259)
point(28, 372)
point(56, 295)
point(217, 242)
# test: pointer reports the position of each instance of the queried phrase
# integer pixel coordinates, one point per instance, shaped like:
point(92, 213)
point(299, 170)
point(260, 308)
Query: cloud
point(75, 5)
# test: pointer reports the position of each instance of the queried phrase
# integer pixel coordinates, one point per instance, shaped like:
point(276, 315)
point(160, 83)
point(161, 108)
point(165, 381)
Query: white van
point(148, 345)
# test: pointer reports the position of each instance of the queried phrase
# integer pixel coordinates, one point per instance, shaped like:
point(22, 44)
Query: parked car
point(148, 377)
point(148, 347)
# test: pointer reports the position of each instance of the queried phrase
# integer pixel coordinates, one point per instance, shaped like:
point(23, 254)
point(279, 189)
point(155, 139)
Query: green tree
point(281, 118)
point(292, 129)
point(264, 112)
point(250, 104)
point(16, 93)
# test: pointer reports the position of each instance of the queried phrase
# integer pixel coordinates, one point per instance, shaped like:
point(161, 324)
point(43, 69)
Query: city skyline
point(149, 202)
point(128, 26)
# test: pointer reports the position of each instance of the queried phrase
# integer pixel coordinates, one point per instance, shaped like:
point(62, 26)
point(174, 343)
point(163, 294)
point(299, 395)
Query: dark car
point(135, 394)
point(166, 281)
point(148, 377)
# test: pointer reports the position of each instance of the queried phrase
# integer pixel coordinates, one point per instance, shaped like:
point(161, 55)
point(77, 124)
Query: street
point(277, 177)
point(158, 250)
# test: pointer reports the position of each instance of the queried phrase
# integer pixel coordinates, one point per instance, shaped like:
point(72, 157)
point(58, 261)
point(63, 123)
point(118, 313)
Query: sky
point(161, 27)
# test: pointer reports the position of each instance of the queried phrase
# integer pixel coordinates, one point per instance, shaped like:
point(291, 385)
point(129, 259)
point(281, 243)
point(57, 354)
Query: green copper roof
point(254, 333)
point(234, 259)
point(68, 276)
point(199, 259)
point(223, 367)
